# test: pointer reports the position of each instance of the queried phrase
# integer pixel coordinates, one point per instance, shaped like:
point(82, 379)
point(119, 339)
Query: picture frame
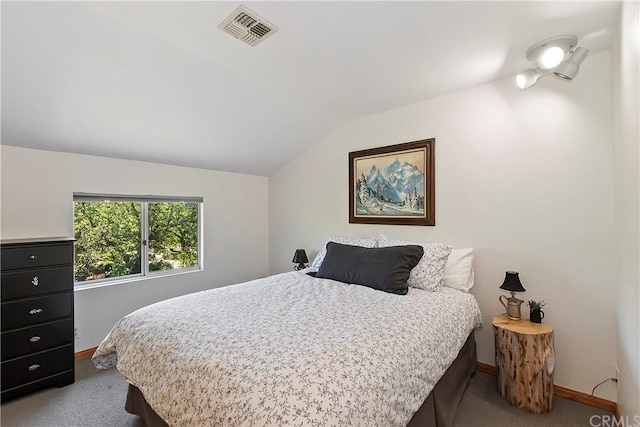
point(393, 185)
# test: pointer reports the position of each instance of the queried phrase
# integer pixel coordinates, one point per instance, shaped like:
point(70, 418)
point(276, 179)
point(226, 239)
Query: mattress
point(290, 349)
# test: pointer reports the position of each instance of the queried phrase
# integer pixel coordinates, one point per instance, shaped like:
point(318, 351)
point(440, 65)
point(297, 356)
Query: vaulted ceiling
point(158, 81)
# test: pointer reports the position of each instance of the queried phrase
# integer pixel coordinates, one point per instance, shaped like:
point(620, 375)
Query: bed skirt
point(441, 406)
point(438, 410)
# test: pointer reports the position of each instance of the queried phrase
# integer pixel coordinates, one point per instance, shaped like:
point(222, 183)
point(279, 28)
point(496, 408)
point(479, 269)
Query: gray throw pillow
point(384, 269)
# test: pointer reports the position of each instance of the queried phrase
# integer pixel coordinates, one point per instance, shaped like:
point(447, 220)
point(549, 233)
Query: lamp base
point(300, 266)
point(512, 304)
point(514, 318)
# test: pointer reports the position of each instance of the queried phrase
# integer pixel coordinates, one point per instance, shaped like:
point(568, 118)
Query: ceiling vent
point(247, 26)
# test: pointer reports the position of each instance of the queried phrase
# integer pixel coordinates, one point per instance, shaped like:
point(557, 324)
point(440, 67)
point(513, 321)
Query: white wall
point(37, 201)
point(524, 177)
point(627, 207)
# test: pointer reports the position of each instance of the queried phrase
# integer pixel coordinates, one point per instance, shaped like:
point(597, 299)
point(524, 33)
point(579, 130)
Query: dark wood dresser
point(37, 315)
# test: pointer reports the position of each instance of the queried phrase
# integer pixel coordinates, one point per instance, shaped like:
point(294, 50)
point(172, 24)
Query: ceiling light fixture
point(570, 68)
point(527, 78)
point(548, 55)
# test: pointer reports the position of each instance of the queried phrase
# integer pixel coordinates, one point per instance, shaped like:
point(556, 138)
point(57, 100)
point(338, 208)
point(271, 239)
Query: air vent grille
point(245, 25)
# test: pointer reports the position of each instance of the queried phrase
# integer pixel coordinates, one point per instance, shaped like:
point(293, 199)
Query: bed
point(292, 349)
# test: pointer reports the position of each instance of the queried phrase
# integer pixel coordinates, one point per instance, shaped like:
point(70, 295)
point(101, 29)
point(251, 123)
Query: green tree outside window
point(110, 241)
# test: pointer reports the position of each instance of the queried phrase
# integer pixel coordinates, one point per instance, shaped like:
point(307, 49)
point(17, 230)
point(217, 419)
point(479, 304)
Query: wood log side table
point(525, 362)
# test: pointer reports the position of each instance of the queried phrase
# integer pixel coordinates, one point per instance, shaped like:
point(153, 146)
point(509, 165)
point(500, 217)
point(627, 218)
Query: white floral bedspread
point(290, 350)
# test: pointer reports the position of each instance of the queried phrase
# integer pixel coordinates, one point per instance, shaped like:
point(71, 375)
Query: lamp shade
point(512, 282)
point(300, 257)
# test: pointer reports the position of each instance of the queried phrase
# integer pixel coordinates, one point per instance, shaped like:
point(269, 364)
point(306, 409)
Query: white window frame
point(144, 236)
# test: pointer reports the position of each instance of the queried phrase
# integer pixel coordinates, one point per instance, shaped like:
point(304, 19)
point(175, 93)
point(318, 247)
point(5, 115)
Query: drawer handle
point(35, 311)
point(35, 281)
point(34, 367)
point(33, 256)
point(35, 338)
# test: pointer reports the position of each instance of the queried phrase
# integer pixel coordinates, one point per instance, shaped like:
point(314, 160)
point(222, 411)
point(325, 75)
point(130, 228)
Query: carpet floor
point(97, 399)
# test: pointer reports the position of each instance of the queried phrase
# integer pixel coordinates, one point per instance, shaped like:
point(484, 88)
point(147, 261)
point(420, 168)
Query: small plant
point(536, 305)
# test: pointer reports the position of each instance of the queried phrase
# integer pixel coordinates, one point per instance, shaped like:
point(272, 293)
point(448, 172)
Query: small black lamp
point(512, 284)
point(300, 257)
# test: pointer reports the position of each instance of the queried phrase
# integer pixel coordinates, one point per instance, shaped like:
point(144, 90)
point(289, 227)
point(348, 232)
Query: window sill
point(124, 280)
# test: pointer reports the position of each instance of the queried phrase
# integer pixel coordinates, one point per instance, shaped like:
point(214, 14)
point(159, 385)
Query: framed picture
point(393, 184)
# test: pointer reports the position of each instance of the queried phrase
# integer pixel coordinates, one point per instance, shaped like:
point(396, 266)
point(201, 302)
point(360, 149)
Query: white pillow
point(345, 240)
point(428, 273)
point(458, 272)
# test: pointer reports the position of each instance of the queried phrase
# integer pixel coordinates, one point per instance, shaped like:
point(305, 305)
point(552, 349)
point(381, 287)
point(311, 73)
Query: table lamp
point(300, 257)
point(512, 284)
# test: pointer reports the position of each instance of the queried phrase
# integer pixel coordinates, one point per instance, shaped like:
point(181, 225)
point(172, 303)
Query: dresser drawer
point(31, 311)
point(30, 256)
point(36, 366)
point(62, 379)
point(18, 284)
point(20, 342)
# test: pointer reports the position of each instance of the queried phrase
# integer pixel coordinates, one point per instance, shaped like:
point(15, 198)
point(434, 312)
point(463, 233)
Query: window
point(132, 236)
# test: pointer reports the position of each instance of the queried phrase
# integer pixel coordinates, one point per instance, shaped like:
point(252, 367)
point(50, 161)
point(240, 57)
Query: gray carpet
point(97, 399)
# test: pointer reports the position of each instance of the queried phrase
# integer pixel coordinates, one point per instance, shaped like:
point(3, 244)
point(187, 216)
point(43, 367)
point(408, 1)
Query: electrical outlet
point(76, 334)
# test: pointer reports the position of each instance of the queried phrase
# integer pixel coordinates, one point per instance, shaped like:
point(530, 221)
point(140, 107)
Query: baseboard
point(585, 398)
point(487, 369)
point(567, 393)
point(619, 417)
point(85, 354)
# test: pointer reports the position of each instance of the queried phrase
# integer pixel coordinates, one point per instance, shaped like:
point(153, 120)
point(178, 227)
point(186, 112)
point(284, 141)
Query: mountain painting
point(391, 184)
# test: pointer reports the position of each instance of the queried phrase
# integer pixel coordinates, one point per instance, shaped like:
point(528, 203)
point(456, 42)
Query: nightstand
point(525, 363)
